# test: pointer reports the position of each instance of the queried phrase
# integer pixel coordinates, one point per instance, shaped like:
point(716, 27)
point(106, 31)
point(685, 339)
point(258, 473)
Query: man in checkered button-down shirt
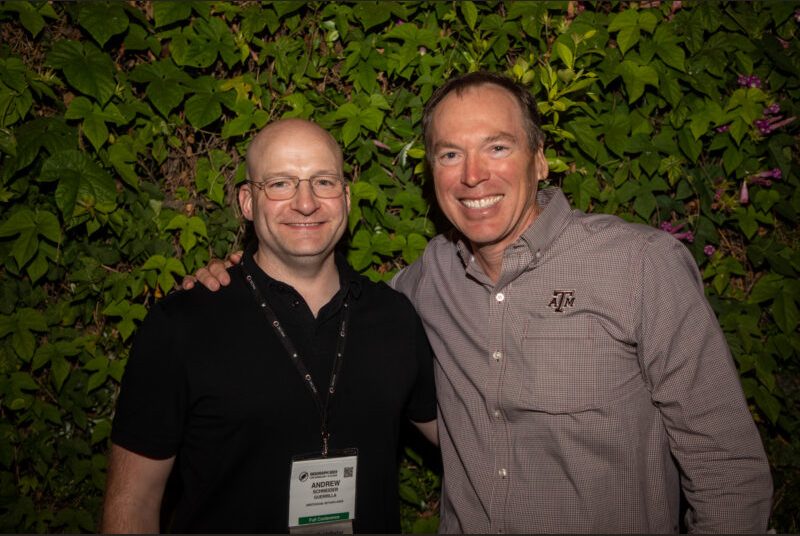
point(583, 380)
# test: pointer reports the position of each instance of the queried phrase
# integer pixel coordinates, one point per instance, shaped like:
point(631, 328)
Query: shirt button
point(500, 296)
point(497, 414)
point(538, 254)
point(503, 473)
point(497, 355)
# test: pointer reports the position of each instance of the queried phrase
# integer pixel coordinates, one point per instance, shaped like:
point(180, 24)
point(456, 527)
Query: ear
point(246, 201)
point(347, 196)
point(542, 169)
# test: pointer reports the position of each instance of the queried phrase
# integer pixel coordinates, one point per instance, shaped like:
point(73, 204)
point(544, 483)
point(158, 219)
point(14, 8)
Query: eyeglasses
point(283, 188)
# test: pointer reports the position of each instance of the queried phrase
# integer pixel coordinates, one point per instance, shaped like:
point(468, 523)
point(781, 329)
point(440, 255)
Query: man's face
point(484, 173)
point(302, 230)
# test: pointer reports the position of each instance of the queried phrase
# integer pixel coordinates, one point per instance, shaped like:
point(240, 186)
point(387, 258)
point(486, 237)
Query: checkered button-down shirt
point(575, 392)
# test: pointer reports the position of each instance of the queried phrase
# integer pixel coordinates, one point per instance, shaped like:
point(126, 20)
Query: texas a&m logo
point(561, 300)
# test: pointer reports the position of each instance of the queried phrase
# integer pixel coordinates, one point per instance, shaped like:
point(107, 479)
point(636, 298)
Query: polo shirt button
point(500, 296)
point(538, 254)
point(497, 414)
point(503, 473)
point(497, 355)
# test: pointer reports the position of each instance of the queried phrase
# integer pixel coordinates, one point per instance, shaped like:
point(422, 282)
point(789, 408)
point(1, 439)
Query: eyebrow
point(316, 173)
point(500, 136)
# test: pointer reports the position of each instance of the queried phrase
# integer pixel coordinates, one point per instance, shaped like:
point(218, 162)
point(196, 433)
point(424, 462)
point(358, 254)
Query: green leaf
point(747, 221)
point(470, 13)
point(167, 85)
point(766, 288)
point(103, 19)
point(627, 24)
point(565, 54)
point(60, 369)
point(371, 14)
point(202, 109)
point(767, 403)
point(587, 137)
point(667, 48)
point(636, 77)
point(28, 16)
point(86, 68)
point(83, 186)
point(784, 310)
point(168, 12)
point(581, 189)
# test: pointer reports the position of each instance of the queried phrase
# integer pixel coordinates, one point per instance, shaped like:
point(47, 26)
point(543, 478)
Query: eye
point(448, 157)
point(279, 184)
point(499, 148)
point(326, 182)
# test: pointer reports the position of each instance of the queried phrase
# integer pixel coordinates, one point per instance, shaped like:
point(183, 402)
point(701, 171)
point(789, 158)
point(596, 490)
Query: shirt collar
point(349, 280)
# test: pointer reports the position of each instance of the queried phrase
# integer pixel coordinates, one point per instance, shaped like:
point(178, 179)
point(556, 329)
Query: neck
point(316, 282)
point(490, 256)
point(490, 259)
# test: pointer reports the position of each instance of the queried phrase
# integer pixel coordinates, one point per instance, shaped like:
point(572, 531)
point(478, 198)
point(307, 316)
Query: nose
point(475, 170)
point(304, 200)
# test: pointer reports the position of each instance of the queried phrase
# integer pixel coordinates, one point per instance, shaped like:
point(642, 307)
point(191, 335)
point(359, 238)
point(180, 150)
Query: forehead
point(487, 108)
point(294, 150)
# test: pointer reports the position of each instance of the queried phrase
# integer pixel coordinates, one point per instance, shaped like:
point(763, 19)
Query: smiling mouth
point(307, 224)
point(484, 202)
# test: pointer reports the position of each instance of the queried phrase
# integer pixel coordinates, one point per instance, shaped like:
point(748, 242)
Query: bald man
point(277, 401)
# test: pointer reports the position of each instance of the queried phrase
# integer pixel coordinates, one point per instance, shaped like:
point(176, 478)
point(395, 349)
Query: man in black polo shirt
point(277, 401)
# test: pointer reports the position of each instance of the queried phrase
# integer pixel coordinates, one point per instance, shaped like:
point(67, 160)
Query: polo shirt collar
point(350, 282)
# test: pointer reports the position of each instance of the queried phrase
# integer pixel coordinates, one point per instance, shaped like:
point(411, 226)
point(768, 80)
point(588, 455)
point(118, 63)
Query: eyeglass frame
point(262, 185)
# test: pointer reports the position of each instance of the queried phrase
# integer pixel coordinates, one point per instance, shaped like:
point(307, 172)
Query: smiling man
point(583, 381)
point(278, 400)
point(584, 384)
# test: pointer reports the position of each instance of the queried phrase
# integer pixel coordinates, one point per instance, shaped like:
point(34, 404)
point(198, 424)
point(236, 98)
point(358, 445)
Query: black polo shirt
point(209, 381)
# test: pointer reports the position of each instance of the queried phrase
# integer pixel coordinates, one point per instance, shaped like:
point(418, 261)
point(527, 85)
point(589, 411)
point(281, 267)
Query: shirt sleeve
point(695, 385)
point(150, 410)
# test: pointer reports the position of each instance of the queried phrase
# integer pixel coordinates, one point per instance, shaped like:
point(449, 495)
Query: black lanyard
point(298, 361)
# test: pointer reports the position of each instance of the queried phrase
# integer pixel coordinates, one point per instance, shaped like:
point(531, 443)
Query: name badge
point(322, 494)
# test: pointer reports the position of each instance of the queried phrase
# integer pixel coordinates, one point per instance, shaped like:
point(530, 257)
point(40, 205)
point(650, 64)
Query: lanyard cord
point(272, 319)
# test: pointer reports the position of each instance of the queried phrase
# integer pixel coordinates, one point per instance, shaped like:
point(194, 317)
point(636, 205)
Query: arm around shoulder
point(134, 489)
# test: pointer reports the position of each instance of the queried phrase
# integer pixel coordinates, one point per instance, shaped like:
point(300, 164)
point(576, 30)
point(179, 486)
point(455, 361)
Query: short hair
point(460, 84)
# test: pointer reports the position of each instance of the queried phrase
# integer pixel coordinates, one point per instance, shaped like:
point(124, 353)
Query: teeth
point(482, 203)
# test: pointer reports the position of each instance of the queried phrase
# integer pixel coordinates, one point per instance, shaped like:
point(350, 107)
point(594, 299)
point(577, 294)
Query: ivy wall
point(122, 132)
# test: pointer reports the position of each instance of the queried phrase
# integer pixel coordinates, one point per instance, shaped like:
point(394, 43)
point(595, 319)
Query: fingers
point(215, 275)
point(235, 258)
point(208, 278)
point(188, 282)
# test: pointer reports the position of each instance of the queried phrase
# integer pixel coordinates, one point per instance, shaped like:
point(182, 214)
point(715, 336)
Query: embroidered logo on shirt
point(561, 300)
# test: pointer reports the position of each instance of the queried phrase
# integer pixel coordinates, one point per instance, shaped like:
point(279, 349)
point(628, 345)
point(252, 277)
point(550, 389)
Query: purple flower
point(772, 109)
point(769, 124)
point(797, 15)
point(718, 194)
point(763, 126)
point(709, 250)
point(674, 231)
point(723, 128)
point(744, 194)
point(749, 81)
point(774, 173)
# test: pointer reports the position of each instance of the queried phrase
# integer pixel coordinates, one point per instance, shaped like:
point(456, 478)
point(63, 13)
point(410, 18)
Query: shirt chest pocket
point(570, 364)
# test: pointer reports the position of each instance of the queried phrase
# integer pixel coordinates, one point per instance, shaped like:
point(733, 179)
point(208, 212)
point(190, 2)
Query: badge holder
point(322, 493)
